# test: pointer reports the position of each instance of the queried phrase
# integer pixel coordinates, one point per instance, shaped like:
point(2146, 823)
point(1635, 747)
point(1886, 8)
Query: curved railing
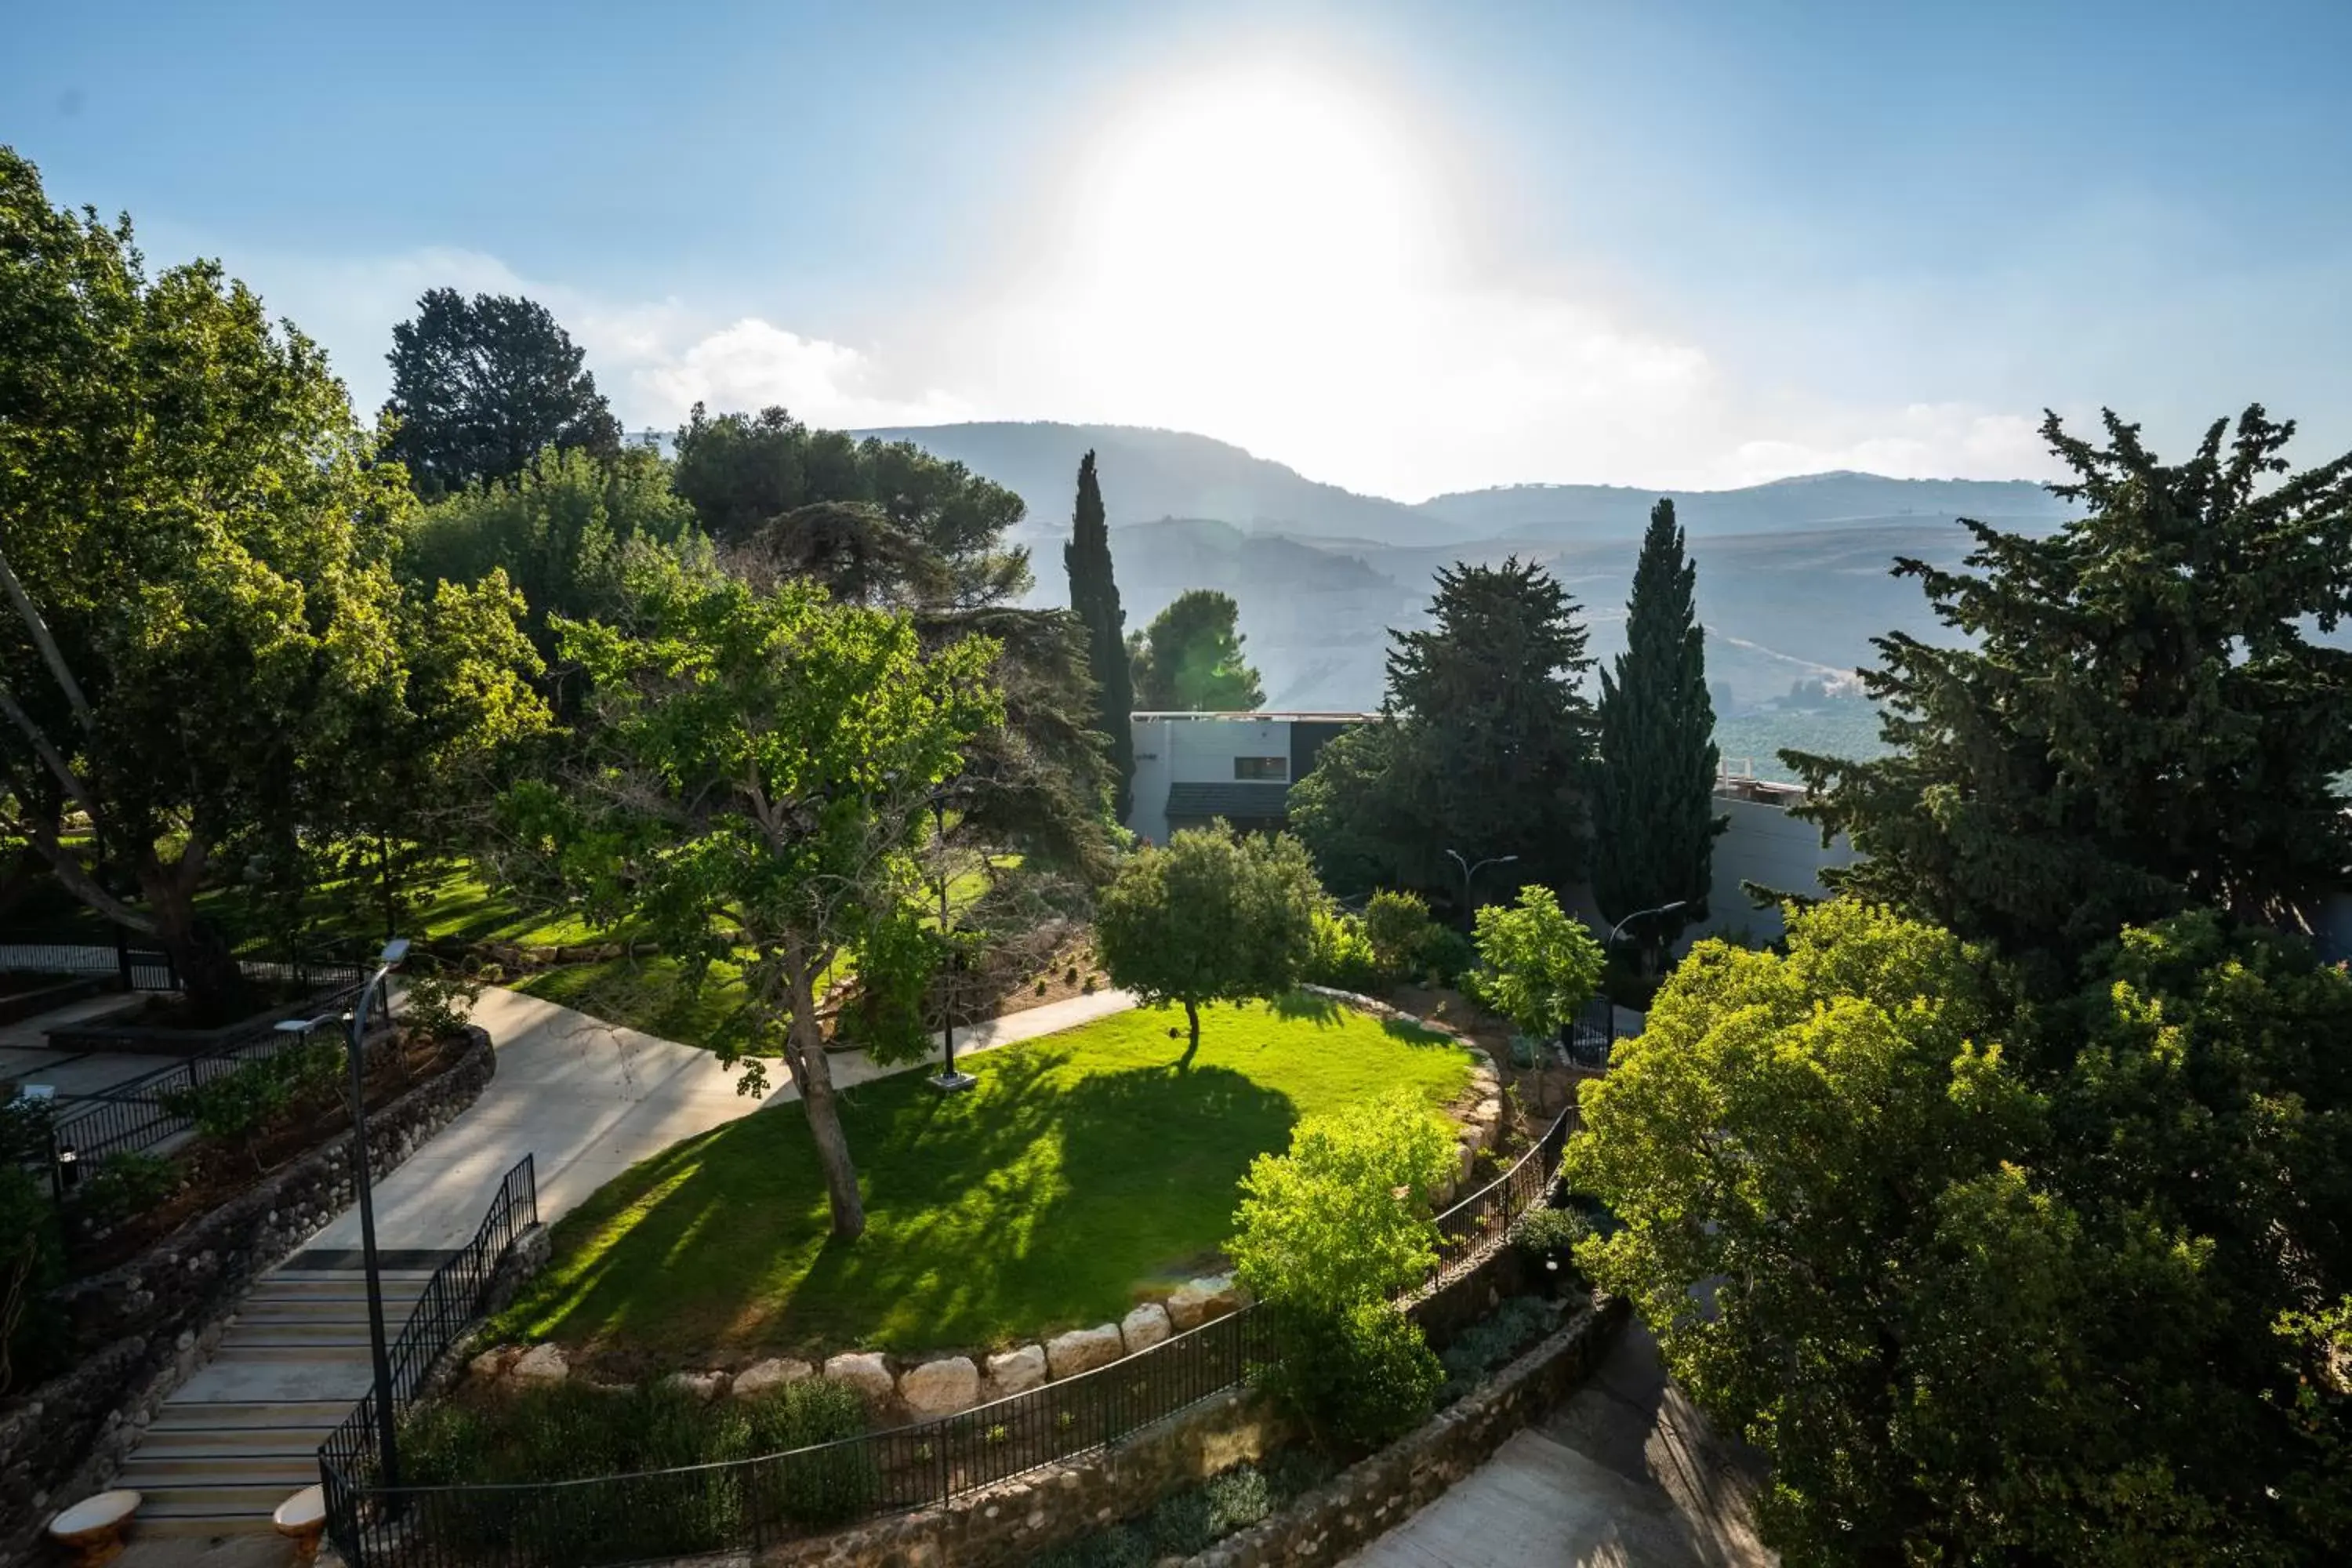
point(744, 1505)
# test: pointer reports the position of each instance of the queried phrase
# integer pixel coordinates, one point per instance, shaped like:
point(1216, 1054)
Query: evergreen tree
point(1654, 793)
point(1094, 597)
point(2133, 716)
point(1190, 660)
point(480, 387)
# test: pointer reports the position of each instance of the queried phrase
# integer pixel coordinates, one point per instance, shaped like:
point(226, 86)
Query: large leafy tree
point(1654, 819)
point(2063, 1284)
point(204, 646)
point(1094, 599)
point(1485, 744)
point(765, 763)
point(481, 387)
point(1190, 659)
point(558, 533)
point(1211, 916)
point(883, 521)
point(2134, 714)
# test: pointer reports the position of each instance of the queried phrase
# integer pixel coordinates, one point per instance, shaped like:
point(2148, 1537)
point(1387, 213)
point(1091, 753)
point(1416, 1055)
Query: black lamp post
point(355, 1022)
point(947, 1080)
point(1470, 869)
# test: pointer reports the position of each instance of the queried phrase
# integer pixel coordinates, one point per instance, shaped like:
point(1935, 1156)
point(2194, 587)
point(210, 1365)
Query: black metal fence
point(452, 1298)
point(1588, 1037)
point(742, 1505)
point(137, 964)
point(133, 1116)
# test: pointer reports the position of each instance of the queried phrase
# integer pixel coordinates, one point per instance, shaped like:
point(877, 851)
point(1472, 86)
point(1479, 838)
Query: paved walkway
point(587, 1099)
point(1625, 1475)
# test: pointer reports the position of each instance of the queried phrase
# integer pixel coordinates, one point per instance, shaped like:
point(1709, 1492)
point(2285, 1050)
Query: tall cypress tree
point(1094, 599)
point(1653, 800)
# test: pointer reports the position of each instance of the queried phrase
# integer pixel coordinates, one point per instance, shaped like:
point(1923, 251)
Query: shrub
point(1358, 1379)
point(32, 1256)
point(1341, 956)
point(1193, 1519)
point(123, 1185)
point(437, 1003)
point(1401, 931)
point(239, 1105)
point(1537, 964)
point(1545, 1233)
point(1448, 956)
point(1492, 1341)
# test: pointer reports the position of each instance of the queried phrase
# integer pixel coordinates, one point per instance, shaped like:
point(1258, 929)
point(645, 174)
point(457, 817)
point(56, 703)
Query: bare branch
point(44, 640)
point(51, 758)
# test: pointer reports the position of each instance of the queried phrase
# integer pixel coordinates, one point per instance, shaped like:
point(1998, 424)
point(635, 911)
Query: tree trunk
point(209, 977)
point(813, 1075)
point(1193, 1017)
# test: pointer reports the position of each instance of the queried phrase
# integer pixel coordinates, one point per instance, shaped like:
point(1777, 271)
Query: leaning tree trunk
point(1192, 1017)
point(208, 969)
point(813, 1075)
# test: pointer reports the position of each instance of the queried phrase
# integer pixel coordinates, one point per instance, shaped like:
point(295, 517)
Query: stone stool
point(92, 1529)
point(301, 1519)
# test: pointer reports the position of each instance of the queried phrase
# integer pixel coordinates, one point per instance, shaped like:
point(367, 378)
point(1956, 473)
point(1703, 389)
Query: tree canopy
point(1654, 819)
point(1094, 599)
point(2134, 714)
point(1537, 965)
point(1988, 1281)
point(205, 646)
point(764, 763)
point(481, 387)
point(1190, 659)
point(1210, 917)
point(1484, 748)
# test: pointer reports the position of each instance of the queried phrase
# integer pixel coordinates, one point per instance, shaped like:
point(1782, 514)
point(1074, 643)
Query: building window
point(1274, 768)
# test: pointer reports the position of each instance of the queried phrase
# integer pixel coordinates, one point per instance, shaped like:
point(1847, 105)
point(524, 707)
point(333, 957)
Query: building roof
point(1229, 800)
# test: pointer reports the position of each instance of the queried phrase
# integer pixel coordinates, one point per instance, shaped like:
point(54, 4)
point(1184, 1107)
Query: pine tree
point(2132, 716)
point(1653, 793)
point(1094, 599)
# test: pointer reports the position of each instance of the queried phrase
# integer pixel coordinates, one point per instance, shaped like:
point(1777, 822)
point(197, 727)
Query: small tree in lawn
point(1326, 1235)
point(1212, 918)
point(764, 768)
point(1537, 964)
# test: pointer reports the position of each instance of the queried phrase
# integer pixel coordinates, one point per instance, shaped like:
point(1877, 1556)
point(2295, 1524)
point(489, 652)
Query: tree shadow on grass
point(1035, 1201)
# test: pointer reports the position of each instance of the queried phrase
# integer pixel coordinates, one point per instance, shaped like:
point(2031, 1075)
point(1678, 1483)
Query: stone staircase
point(243, 1435)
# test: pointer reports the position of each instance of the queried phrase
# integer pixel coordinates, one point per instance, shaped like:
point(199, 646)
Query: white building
point(1765, 846)
point(1192, 767)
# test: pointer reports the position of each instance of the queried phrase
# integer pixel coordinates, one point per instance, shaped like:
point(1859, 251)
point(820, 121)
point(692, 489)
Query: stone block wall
point(1377, 1494)
point(143, 1328)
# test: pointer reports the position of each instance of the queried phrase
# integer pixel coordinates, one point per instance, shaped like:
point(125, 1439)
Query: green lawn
point(1083, 1168)
point(648, 992)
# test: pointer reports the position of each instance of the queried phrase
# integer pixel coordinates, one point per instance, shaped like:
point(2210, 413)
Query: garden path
point(1626, 1474)
point(586, 1100)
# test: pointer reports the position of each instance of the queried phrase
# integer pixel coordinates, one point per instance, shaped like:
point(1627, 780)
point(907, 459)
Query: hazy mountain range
point(1792, 575)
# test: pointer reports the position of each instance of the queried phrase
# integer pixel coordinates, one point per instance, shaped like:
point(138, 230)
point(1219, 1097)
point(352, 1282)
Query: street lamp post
point(1469, 870)
point(947, 1080)
point(355, 1022)
point(1611, 940)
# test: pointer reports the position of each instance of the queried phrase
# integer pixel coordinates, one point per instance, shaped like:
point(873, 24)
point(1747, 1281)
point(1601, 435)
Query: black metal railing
point(138, 963)
point(1586, 1038)
point(744, 1504)
point(1468, 1231)
point(135, 1115)
point(452, 1298)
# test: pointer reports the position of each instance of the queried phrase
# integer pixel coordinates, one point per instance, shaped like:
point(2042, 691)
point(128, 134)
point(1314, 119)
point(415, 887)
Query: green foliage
point(895, 958)
point(1342, 956)
point(1343, 1216)
point(437, 1001)
point(1196, 1519)
point(1398, 926)
point(1190, 659)
point(480, 387)
point(238, 1106)
point(123, 1185)
point(1992, 1281)
point(1360, 1379)
point(896, 523)
point(1537, 964)
point(764, 763)
point(558, 529)
point(1211, 916)
point(1548, 1234)
point(1653, 815)
point(1450, 956)
point(211, 651)
point(1484, 749)
point(567, 1431)
point(1494, 1340)
point(2133, 714)
point(33, 1331)
point(1094, 599)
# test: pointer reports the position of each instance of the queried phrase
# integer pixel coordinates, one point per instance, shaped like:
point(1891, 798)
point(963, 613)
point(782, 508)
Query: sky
point(1408, 248)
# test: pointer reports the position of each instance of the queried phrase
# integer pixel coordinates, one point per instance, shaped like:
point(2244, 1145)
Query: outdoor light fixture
point(1470, 869)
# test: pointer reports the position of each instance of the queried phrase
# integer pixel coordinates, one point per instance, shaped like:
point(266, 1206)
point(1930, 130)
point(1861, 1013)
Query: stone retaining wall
point(1377, 1494)
point(141, 1329)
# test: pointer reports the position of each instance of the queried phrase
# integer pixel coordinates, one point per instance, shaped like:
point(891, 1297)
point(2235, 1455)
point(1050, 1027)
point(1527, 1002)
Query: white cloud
point(751, 363)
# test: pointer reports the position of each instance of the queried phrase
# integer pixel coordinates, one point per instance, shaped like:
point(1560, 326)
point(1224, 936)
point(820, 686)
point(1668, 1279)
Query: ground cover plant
point(1084, 1166)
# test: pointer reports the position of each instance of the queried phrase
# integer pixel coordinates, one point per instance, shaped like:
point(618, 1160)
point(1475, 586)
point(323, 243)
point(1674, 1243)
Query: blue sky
point(1405, 247)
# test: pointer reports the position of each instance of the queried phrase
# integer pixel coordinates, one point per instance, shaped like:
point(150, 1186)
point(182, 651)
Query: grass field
point(1085, 1167)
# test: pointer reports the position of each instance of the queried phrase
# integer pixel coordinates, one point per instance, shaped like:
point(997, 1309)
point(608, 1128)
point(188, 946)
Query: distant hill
point(1149, 474)
point(1566, 512)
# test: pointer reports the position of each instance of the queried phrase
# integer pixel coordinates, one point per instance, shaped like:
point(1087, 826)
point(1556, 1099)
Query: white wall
point(1188, 749)
point(1763, 844)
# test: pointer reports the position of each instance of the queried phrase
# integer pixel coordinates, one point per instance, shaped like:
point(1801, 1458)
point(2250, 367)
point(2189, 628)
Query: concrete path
point(1625, 1475)
point(587, 1099)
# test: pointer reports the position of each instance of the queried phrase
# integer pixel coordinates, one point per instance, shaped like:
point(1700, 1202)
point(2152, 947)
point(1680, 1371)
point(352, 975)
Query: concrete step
point(148, 1472)
point(226, 1499)
point(220, 1415)
point(232, 1353)
point(251, 1336)
point(193, 1526)
point(253, 1443)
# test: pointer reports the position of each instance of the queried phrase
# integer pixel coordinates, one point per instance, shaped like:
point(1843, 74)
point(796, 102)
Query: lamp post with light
point(355, 1022)
point(1469, 870)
